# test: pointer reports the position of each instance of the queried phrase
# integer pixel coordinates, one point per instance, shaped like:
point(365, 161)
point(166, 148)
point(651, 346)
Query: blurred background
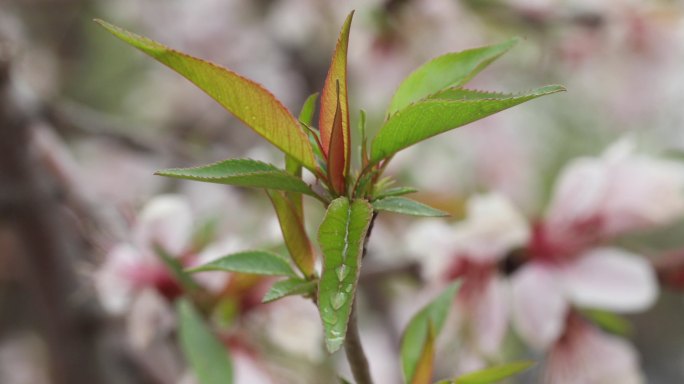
point(85, 121)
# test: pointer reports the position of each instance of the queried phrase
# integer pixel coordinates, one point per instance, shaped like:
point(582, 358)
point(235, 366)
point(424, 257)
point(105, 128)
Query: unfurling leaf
point(336, 154)
point(492, 375)
point(242, 173)
point(250, 262)
point(294, 233)
point(206, 355)
point(245, 99)
point(289, 287)
point(416, 334)
point(332, 99)
point(431, 117)
point(449, 70)
point(406, 206)
point(341, 237)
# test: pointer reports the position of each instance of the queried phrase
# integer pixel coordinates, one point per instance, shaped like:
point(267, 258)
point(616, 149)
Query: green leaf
point(428, 118)
point(469, 94)
point(294, 233)
point(406, 207)
point(207, 356)
point(252, 262)
point(395, 191)
point(493, 374)
point(244, 98)
point(609, 322)
point(451, 69)
point(307, 113)
point(341, 237)
point(334, 95)
point(425, 364)
point(242, 173)
point(289, 287)
point(416, 333)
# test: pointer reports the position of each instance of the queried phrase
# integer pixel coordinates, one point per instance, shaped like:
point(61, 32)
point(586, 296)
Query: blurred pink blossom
point(585, 355)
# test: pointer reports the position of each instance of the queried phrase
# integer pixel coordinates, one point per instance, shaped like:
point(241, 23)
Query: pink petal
point(490, 316)
point(539, 308)
point(611, 279)
point(587, 356)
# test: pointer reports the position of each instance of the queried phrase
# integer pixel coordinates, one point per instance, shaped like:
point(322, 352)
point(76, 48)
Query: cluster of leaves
point(430, 101)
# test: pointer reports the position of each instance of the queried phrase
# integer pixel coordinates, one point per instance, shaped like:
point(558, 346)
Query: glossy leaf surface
point(452, 69)
point(245, 99)
point(250, 262)
point(428, 118)
point(341, 237)
point(242, 173)
point(289, 287)
point(402, 205)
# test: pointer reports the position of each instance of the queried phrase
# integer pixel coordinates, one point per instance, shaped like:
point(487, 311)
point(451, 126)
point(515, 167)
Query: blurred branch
point(48, 249)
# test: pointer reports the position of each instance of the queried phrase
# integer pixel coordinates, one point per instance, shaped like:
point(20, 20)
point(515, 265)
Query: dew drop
point(348, 288)
point(342, 272)
point(338, 300)
point(329, 316)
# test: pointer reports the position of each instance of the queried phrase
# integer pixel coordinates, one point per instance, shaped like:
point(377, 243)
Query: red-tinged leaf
point(336, 158)
point(294, 233)
point(245, 99)
point(423, 374)
point(330, 98)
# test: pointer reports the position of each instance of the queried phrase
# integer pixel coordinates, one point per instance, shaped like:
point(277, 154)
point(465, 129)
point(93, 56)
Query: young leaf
point(292, 166)
point(207, 357)
point(289, 287)
point(307, 112)
point(341, 236)
point(251, 262)
point(451, 69)
point(468, 94)
point(396, 191)
point(245, 99)
point(406, 207)
point(337, 73)
point(423, 374)
point(494, 374)
point(294, 233)
point(336, 153)
point(428, 118)
point(416, 333)
point(242, 173)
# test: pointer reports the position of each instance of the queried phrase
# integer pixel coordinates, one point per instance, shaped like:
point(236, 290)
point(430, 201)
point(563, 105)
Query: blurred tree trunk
point(48, 247)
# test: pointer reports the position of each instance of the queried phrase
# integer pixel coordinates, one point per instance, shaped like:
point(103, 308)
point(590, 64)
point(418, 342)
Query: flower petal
point(588, 356)
point(490, 317)
point(611, 279)
point(539, 307)
point(166, 221)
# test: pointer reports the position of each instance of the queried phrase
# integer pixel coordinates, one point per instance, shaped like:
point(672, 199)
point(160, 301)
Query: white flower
point(130, 267)
point(492, 228)
point(587, 356)
point(601, 278)
point(620, 191)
